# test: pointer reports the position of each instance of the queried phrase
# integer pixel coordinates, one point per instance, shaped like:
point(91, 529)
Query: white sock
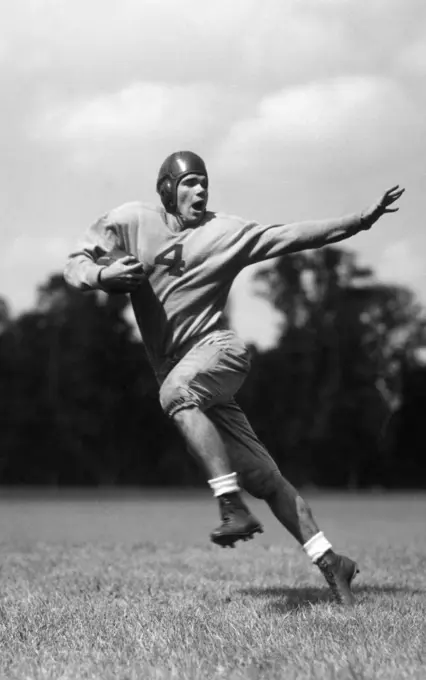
point(316, 546)
point(224, 484)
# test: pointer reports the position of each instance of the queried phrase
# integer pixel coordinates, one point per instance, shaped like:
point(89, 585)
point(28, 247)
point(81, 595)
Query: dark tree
point(322, 399)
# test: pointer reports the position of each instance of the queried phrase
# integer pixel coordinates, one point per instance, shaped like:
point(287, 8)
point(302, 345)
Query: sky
point(300, 108)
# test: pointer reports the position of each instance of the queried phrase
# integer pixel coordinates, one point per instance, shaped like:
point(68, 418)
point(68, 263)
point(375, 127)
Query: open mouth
point(198, 206)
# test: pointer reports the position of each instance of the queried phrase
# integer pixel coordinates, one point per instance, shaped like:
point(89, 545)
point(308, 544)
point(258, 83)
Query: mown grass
point(74, 607)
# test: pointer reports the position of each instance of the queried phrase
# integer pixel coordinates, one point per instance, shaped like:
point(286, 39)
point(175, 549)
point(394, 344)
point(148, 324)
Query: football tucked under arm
point(120, 273)
point(112, 256)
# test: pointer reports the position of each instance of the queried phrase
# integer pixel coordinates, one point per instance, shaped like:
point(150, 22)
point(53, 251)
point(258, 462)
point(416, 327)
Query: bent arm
point(81, 269)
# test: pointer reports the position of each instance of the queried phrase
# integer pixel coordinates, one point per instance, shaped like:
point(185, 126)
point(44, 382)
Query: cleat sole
point(225, 540)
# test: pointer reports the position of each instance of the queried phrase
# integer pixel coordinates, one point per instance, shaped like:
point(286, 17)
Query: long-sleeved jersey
point(189, 271)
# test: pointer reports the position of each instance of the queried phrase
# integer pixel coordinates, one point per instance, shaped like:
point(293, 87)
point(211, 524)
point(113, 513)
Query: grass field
point(129, 587)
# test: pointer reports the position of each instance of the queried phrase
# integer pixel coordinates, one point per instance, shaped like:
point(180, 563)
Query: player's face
point(192, 198)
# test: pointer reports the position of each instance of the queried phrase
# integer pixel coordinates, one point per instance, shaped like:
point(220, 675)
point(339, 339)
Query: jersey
point(189, 271)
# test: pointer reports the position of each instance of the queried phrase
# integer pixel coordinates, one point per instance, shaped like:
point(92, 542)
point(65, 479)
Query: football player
point(178, 262)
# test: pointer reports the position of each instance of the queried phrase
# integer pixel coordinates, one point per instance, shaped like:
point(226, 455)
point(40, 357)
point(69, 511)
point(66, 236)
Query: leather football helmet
point(174, 168)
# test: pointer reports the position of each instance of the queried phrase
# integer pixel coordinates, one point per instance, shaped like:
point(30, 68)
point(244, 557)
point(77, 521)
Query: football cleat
point(238, 524)
point(339, 572)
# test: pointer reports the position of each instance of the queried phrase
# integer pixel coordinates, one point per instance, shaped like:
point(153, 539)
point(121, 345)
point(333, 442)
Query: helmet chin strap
point(179, 219)
point(182, 222)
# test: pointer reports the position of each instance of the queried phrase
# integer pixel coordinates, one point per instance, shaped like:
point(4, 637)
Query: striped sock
point(316, 546)
point(224, 484)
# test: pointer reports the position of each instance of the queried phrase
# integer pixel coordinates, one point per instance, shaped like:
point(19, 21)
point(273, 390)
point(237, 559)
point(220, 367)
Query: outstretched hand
point(382, 206)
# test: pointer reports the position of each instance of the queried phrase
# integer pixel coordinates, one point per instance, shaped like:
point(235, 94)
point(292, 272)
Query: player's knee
point(174, 397)
point(185, 415)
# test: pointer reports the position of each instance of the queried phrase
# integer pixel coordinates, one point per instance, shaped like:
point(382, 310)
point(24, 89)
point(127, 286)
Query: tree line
point(338, 401)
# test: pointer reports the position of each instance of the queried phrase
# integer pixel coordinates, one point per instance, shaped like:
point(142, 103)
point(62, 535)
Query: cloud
point(304, 104)
point(324, 126)
point(247, 44)
point(401, 263)
point(133, 129)
point(141, 112)
point(412, 60)
point(30, 257)
point(253, 317)
point(103, 42)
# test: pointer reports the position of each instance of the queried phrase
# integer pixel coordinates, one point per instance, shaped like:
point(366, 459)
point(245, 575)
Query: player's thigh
point(257, 470)
point(210, 373)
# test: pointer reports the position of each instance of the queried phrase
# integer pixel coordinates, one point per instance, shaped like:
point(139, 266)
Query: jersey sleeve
point(81, 269)
point(258, 242)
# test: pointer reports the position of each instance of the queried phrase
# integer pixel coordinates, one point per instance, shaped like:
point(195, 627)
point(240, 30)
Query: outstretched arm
point(264, 242)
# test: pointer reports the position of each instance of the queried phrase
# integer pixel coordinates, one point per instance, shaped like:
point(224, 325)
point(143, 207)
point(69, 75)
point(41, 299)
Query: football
point(112, 256)
point(120, 287)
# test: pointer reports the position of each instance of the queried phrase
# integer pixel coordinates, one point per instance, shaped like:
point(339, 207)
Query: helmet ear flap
point(166, 191)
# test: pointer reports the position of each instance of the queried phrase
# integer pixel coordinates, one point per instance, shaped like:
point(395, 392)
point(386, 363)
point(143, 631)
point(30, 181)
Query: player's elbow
point(72, 279)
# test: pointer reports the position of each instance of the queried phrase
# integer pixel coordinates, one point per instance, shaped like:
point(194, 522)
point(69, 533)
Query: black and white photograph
point(212, 340)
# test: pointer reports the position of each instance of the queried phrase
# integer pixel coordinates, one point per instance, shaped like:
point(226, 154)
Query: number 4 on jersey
point(172, 258)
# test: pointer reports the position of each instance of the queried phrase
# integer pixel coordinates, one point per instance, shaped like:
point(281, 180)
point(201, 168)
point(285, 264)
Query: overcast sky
point(301, 108)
